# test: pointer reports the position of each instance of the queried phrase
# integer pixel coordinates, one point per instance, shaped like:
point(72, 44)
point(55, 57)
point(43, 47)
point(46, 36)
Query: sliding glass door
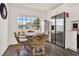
point(58, 33)
point(60, 29)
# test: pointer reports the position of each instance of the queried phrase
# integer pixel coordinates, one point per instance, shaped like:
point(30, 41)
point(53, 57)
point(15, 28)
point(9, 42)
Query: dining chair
point(38, 43)
point(19, 43)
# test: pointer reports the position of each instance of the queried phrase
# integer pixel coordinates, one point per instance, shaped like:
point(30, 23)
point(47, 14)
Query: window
point(26, 22)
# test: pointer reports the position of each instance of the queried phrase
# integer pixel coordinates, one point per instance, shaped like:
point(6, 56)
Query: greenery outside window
point(26, 22)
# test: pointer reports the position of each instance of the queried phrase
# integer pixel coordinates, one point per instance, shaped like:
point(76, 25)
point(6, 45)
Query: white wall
point(14, 12)
point(3, 34)
point(73, 10)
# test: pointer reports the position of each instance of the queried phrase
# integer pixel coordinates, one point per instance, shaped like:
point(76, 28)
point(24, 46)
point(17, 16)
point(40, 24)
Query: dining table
point(27, 35)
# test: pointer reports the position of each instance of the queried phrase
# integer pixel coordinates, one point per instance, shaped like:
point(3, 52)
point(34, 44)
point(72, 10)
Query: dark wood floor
point(51, 50)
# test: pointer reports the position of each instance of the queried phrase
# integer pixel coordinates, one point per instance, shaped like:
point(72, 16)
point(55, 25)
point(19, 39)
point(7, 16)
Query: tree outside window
point(25, 22)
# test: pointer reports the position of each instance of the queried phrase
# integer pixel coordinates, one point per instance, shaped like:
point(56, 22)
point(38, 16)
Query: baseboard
point(72, 50)
point(6, 49)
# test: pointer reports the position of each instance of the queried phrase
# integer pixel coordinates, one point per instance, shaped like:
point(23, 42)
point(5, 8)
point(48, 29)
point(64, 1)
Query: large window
point(25, 22)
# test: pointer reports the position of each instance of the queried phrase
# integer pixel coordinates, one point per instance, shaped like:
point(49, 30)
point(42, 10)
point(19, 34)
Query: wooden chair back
point(39, 40)
point(16, 36)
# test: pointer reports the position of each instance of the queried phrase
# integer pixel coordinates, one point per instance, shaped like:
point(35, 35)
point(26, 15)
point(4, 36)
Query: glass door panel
point(60, 29)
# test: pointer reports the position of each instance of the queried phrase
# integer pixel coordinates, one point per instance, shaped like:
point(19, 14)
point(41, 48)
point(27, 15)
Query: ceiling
point(38, 6)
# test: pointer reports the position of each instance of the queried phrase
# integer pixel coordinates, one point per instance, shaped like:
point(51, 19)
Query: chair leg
point(18, 53)
point(33, 51)
point(43, 49)
point(18, 48)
